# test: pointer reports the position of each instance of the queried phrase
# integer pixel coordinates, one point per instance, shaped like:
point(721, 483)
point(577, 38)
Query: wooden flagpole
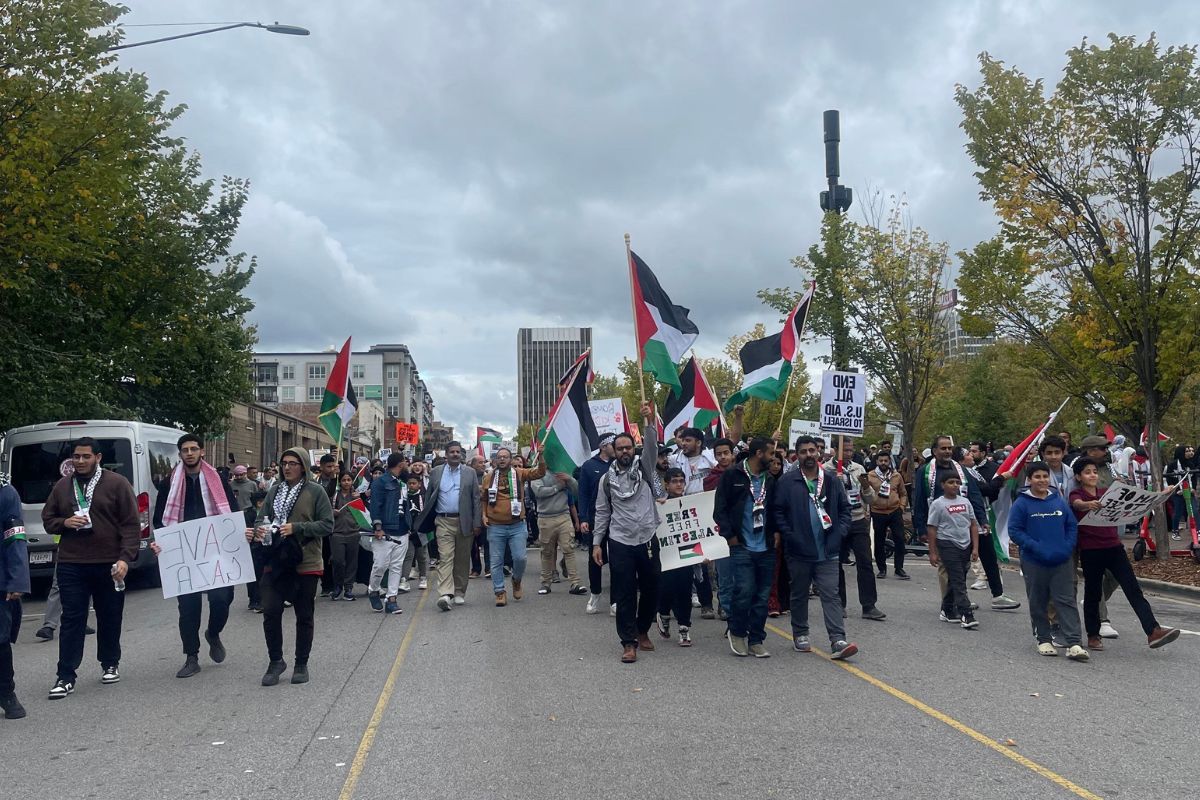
point(637, 344)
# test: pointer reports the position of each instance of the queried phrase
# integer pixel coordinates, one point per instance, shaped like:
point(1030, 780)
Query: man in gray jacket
point(556, 532)
point(452, 510)
point(627, 516)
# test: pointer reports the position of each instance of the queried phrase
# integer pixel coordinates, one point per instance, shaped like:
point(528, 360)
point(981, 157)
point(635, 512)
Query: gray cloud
point(444, 173)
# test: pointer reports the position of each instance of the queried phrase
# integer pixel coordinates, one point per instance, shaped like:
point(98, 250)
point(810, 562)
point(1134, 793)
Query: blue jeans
point(513, 537)
point(753, 575)
point(725, 580)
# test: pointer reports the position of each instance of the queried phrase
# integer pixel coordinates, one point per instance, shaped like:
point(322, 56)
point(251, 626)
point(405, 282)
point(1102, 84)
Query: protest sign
point(802, 427)
point(843, 402)
point(609, 415)
point(384, 452)
point(407, 433)
point(202, 554)
point(686, 534)
point(1123, 504)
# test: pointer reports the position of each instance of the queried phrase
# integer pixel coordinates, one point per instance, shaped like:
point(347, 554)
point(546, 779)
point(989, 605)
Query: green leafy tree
point(121, 296)
point(1096, 188)
point(888, 302)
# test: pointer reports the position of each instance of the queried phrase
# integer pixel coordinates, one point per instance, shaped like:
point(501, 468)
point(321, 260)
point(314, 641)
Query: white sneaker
point(695, 600)
point(459, 600)
point(1004, 603)
point(951, 618)
point(612, 610)
point(979, 584)
point(1107, 631)
point(444, 602)
point(403, 588)
point(423, 584)
point(593, 604)
point(412, 574)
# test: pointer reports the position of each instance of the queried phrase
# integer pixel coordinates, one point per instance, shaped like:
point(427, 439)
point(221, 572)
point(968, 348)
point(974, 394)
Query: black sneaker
point(902, 575)
point(324, 593)
point(12, 707)
point(578, 590)
point(874, 613)
point(881, 574)
point(336, 594)
point(969, 622)
point(543, 589)
point(274, 670)
point(191, 666)
point(349, 595)
point(110, 675)
point(376, 601)
point(45, 633)
point(216, 650)
point(61, 689)
point(300, 673)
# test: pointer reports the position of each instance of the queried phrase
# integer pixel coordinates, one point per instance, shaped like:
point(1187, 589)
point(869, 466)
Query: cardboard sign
point(843, 402)
point(407, 433)
point(609, 415)
point(686, 534)
point(203, 554)
point(1123, 504)
point(802, 427)
point(384, 452)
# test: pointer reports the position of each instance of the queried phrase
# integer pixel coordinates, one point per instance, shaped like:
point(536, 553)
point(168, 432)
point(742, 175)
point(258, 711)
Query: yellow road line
point(1002, 749)
point(385, 697)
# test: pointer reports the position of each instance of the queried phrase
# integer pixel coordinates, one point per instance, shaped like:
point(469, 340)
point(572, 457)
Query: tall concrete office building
point(543, 355)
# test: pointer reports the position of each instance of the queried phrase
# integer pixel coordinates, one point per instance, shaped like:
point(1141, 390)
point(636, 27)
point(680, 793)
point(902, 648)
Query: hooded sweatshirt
point(625, 508)
point(311, 515)
point(1044, 528)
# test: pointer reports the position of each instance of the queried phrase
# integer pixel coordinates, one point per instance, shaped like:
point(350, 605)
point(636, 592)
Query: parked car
point(37, 456)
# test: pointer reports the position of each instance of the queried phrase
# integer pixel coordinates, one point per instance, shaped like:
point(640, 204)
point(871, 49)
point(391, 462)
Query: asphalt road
point(530, 701)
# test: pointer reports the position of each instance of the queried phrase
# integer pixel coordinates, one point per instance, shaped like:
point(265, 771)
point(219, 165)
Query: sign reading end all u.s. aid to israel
point(686, 533)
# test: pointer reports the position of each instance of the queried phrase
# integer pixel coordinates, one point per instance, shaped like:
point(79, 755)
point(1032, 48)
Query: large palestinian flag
point(694, 405)
point(571, 437)
point(486, 439)
point(664, 332)
point(339, 402)
point(1015, 463)
point(767, 362)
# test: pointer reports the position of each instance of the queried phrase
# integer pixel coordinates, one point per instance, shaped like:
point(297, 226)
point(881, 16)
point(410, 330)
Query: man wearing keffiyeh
point(196, 490)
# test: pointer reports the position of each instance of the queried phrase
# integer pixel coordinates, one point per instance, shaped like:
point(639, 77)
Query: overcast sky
point(444, 172)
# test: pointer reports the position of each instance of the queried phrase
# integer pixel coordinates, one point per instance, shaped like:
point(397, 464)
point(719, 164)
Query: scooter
point(1145, 541)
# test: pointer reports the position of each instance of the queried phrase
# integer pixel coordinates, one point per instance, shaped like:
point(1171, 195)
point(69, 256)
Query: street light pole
point(290, 30)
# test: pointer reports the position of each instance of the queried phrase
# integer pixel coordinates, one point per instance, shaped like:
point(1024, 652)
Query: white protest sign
point(802, 427)
point(843, 402)
point(1123, 504)
point(202, 554)
point(609, 415)
point(686, 534)
point(384, 452)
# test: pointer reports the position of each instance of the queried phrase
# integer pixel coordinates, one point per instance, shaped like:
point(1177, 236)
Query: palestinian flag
point(358, 510)
point(571, 437)
point(767, 363)
point(694, 405)
point(690, 551)
point(664, 332)
point(488, 437)
point(582, 364)
point(1162, 437)
point(999, 511)
point(339, 403)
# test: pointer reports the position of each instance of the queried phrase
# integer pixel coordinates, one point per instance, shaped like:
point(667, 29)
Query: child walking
point(953, 536)
point(414, 504)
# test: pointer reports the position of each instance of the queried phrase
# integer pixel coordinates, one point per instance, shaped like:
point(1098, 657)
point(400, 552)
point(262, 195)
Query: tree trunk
point(1161, 531)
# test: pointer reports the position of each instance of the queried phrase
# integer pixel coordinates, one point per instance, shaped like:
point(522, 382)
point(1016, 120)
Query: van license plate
point(41, 558)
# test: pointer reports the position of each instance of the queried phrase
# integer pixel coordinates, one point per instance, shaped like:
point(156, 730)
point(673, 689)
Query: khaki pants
point(555, 534)
point(454, 557)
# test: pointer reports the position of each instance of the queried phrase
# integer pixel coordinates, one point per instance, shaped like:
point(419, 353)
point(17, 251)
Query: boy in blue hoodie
point(14, 582)
point(1043, 526)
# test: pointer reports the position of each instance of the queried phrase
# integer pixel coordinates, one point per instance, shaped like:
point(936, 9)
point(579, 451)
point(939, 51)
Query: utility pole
point(836, 201)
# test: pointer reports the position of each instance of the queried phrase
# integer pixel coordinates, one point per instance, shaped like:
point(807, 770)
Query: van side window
point(163, 458)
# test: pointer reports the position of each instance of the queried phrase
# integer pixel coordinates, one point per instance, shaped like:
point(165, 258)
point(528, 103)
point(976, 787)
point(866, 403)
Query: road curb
point(1181, 591)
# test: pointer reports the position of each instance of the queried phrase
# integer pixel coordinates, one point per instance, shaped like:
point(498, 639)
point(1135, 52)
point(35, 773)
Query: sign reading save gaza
point(202, 554)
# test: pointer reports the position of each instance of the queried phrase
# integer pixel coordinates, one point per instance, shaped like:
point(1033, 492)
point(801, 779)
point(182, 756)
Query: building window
point(393, 372)
point(316, 393)
point(393, 410)
point(359, 372)
point(317, 372)
point(265, 394)
point(287, 373)
point(287, 394)
point(393, 392)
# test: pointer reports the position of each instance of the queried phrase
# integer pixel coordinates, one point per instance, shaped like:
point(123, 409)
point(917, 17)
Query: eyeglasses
point(291, 463)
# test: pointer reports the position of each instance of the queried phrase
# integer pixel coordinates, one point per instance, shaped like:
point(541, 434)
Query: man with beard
point(452, 509)
point(887, 513)
point(811, 511)
point(328, 478)
point(858, 538)
point(627, 516)
point(196, 491)
point(589, 483)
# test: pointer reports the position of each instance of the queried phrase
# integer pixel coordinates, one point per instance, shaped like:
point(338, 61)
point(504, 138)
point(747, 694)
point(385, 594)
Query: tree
point(1096, 188)
point(889, 303)
point(120, 293)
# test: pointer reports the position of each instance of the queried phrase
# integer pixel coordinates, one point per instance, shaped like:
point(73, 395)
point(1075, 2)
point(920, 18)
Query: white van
point(37, 456)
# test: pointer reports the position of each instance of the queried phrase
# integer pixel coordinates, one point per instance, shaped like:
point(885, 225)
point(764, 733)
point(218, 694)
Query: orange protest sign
point(407, 433)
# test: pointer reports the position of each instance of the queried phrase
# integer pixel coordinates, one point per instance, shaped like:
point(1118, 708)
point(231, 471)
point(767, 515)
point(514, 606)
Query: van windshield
point(37, 467)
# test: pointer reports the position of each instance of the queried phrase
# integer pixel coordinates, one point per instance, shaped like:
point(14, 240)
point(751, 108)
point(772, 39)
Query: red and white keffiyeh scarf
point(211, 490)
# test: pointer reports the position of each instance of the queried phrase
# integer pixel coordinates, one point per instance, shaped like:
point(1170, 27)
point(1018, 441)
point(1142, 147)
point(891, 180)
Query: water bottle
point(118, 583)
